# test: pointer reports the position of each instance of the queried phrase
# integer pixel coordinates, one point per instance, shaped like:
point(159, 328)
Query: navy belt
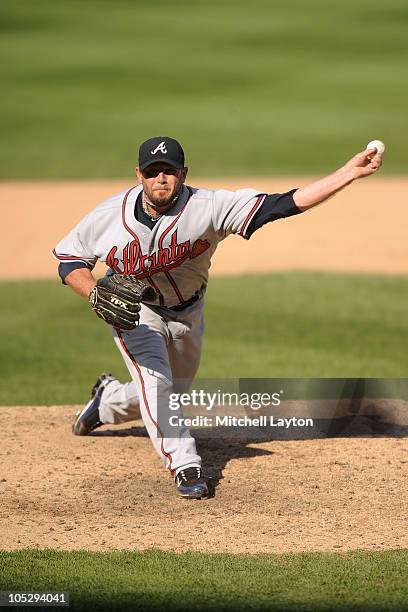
point(187, 303)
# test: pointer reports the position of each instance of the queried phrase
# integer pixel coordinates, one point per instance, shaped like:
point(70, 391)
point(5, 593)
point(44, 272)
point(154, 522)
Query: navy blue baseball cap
point(161, 149)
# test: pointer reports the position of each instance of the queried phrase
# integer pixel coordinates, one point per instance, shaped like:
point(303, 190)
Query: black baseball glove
point(116, 299)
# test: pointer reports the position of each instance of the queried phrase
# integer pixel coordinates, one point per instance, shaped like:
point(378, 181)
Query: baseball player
point(163, 233)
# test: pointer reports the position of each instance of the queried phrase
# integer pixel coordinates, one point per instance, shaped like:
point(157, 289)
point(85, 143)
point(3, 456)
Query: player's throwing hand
point(364, 163)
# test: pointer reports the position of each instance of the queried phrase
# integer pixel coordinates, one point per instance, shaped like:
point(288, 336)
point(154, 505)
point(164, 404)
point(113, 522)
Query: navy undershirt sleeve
point(275, 206)
point(65, 268)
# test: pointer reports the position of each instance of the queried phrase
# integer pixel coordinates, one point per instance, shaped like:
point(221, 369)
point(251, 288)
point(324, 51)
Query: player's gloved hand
point(116, 299)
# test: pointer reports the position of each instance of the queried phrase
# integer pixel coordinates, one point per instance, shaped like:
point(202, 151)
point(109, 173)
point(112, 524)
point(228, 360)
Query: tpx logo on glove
point(93, 296)
point(118, 302)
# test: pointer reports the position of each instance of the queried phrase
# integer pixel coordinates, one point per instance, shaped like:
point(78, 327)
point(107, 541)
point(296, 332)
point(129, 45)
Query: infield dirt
point(109, 490)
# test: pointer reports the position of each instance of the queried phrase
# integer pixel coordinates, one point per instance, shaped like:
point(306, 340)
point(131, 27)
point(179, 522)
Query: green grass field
point(250, 88)
point(295, 325)
point(153, 580)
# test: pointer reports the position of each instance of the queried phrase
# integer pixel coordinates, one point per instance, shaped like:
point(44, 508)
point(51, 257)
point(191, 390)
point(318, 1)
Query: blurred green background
point(295, 325)
point(250, 88)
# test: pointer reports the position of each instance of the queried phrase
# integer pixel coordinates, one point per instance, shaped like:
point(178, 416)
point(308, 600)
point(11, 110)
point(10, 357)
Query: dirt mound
point(109, 491)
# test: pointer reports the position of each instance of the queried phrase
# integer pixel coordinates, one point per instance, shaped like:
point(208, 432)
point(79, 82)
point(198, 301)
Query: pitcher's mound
point(109, 491)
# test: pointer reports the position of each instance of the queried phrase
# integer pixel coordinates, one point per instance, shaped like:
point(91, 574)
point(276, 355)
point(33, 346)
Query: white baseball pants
point(162, 355)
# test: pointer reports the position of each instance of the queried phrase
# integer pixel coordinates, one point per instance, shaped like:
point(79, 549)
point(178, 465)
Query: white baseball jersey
point(174, 256)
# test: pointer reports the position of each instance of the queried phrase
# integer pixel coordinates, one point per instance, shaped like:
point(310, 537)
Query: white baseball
point(376, 144)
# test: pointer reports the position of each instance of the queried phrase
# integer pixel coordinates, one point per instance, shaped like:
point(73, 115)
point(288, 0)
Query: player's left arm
point(363, 164)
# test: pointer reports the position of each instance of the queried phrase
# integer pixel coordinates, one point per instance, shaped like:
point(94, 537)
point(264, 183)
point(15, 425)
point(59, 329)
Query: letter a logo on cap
point(161, 147)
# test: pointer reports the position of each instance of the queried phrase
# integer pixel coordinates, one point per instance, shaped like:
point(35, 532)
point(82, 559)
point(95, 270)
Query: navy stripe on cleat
point(88, 419)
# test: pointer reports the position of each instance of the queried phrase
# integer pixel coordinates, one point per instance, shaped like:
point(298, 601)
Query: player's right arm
point(363, 164)
point(81, 281)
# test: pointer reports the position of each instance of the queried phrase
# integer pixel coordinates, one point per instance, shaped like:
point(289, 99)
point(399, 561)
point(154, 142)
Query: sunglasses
point(152, 171)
